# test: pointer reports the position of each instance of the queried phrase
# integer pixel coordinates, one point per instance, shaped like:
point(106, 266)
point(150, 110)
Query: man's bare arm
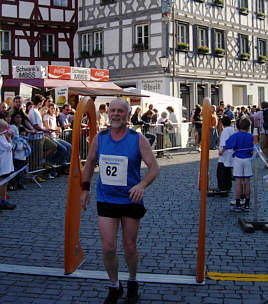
point(136, 192)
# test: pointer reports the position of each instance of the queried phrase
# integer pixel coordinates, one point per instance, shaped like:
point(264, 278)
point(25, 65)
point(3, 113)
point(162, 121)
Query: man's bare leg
point(108, 228)
point(130, 229)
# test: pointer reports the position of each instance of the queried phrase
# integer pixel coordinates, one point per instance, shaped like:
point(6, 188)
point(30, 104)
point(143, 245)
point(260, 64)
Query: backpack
point(265, 119)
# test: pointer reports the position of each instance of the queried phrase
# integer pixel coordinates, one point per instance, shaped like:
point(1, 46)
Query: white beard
point(117, 124)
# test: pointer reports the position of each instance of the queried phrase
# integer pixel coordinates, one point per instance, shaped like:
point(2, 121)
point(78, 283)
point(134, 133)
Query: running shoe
point(132, 292)
point(114, 294)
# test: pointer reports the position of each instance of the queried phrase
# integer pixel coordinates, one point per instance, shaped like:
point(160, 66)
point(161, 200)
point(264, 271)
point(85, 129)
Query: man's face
point(67, 110)
point(118, 114)
point(17, 103)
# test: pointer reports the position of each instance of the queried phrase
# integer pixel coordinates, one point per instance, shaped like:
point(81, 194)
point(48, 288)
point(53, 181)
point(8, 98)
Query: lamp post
point(165, 59)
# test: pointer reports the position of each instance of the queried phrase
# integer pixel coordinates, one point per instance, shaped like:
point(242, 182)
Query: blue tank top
point(119, 164)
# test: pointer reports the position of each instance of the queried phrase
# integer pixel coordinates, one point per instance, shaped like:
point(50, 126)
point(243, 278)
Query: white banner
point(61, 96)
point(25, 92)
point(28, 71)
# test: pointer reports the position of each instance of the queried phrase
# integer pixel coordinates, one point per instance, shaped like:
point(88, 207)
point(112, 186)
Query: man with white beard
point(120, 191)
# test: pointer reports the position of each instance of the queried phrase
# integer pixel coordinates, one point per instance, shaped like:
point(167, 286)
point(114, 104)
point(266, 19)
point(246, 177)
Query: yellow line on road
point(237, 276)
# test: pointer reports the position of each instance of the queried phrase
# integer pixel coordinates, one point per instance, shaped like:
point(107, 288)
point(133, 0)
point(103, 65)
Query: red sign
point(58, 72)
point(99, 75)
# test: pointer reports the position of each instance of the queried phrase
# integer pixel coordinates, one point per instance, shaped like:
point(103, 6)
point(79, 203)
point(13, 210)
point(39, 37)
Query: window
point(244, 44)
point(244, 3)
point(219, 39)
point(261, 47)
point(97, 43)
point(63, 3)
point(48, 45)
point(182, 33)
point(85, 43)
point(5, 41)
point(91, 44)
point(142, 36)
point(260, 6)
point(261, 96)
point(202, 36)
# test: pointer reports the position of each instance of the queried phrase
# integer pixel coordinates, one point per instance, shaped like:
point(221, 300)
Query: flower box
point(219, 52)
point(244, 56)
point(262, 59)
point(203, 50)
point(48, 54)
point(138, 47)
point(97, 53)
point(243, 10)
point(219, 3)
point(260, 15)
point(6, 52)
point(183, 47)
point(84, 54)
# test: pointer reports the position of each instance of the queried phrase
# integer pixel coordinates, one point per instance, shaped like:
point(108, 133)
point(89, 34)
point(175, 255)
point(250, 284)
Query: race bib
point(113, 170)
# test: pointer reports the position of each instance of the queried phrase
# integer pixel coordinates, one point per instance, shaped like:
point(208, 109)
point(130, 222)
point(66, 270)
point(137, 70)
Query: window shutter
point(195, 37)
point(213, 40)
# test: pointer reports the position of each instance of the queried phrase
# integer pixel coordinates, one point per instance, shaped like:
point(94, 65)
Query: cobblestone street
point(33, 235)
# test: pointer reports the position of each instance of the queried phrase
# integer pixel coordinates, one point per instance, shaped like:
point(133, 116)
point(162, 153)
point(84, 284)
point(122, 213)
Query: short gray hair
point(121, 100)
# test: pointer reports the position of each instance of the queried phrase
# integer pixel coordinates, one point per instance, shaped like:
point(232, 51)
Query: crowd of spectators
point(217, 113)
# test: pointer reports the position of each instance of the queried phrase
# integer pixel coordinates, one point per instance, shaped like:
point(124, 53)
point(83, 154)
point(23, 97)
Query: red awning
point(54, 83)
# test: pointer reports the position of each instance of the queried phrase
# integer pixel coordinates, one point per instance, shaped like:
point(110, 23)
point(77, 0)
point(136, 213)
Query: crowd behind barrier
point(164, 139)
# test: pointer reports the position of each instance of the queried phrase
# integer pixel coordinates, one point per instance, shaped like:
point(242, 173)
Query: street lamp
point(164, 63)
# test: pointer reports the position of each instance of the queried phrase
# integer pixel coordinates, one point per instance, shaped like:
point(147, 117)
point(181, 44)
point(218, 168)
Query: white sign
point(28, 71)
point(8, 97)
point(25, 92)
point(80, 73)
point(153, 85)
point(61, 96)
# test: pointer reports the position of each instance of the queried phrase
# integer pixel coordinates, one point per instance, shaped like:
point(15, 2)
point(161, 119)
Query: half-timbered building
point(214, 48)
point(37, 32)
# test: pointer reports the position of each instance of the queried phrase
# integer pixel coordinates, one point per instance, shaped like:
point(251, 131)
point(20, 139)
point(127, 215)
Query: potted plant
point(244, 56)
point(261, 15)
point(219, 52)
point(219, 3)
point(262, 58)
point(243, 10)
point(203, 49)
point(49, 54)
point(183, 46)
point(6, 52)
point(97, 53)
point(84, 54)
point(138, 47)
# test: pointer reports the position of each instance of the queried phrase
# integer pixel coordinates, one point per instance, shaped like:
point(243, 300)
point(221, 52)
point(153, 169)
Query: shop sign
point(58, 72)
point(61, 96)
point(134, 101)
point(8, 97)
point(28, 71)
point(25, 92)
point(80, 73)
point(152, 85)
point(99, 75)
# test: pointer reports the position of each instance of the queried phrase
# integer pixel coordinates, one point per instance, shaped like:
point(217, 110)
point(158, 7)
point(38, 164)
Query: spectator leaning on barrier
point(62, 156)
point(65, 118)
point(197, 121)
point(162, 124)
point(45, 107)
point(173, 126)
point(258, 123)
point(6, 163)
point(136, 120)
point(47, 145)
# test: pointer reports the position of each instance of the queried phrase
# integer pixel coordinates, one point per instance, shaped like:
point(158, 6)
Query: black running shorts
point(133, 210)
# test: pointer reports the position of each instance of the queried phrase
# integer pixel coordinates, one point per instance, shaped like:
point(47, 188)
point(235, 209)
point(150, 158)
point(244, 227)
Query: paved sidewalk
point(33, 235)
